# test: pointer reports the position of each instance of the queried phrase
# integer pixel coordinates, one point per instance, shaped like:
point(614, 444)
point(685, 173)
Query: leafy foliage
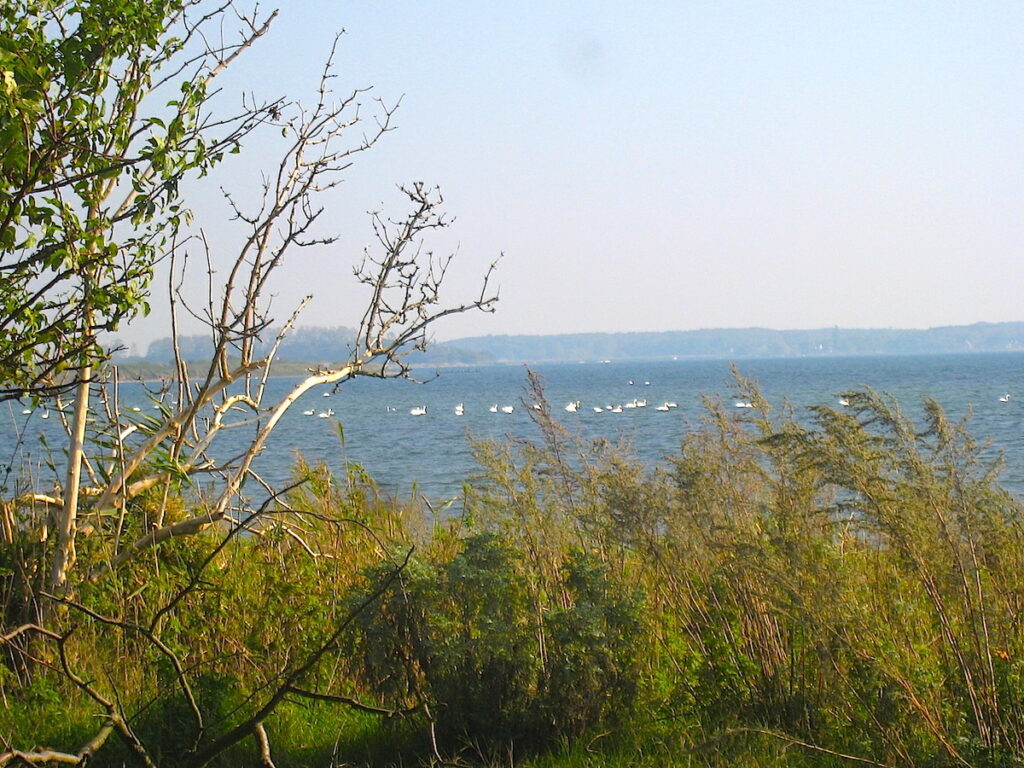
point(494, 668)
point(103, 105)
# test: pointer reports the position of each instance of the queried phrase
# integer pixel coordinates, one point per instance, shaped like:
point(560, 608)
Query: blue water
point(431, 453)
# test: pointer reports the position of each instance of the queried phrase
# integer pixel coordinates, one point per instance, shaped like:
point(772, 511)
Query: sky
point(651, 166)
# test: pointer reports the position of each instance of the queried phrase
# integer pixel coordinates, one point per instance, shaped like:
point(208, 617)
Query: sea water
point(372, 425)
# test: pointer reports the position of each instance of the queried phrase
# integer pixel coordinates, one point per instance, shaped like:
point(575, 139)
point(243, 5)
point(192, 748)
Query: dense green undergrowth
point(837, 587)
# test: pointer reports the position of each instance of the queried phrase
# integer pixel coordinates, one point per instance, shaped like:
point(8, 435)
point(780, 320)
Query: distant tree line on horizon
point(308, 345)
point(313, 344)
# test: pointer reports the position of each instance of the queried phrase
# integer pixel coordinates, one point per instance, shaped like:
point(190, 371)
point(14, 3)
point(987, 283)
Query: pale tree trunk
point(67, 525)
point(64, 557)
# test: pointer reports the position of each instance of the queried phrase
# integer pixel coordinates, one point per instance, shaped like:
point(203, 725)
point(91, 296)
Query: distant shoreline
point(151, 373)
point(306, 344)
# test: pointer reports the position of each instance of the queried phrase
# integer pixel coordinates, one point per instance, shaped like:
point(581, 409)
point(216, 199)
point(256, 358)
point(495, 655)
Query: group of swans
point(571, 407)
point(323, 414)
point(504, 409)
point(619, 408)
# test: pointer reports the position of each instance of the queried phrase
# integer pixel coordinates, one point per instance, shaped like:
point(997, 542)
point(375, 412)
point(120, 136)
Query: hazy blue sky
point(677, 165)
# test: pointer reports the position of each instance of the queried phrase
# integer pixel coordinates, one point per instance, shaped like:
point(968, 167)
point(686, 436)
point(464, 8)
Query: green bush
point(464, 637)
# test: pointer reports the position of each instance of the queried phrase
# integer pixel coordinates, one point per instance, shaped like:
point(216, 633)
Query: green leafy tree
point(103, 111)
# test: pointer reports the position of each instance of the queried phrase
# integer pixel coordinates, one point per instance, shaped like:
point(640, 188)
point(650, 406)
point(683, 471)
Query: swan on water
point(1005, 398)
point(493, 408)
point(419, 410)
point(308, 412)
point(744, 404)
point(663, 407)
point(844, 401)
point(459, 410)
point(26, 412)
point(507, 408)
point(598, 409)
point(573, 406)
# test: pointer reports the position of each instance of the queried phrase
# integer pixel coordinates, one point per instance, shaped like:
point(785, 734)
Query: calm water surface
point(430, 452)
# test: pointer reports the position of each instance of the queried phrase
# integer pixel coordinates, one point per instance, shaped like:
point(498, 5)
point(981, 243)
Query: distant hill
point(313, 345)
point(321, 346)
point(748, 342)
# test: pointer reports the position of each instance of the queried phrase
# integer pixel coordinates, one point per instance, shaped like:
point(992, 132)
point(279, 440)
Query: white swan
point(326, 414)
point(744, 404)
point(493, 408)
point(308, 412)
point(573, 406)
point(26, 412)
point(45, 415)
point(419, 410)
point(598, 409)
point(844, 401)
point(663, 407)
point(1005, 398)
point(507, 408)
point(672, 405)
point(459, 410)
point(327, 394)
